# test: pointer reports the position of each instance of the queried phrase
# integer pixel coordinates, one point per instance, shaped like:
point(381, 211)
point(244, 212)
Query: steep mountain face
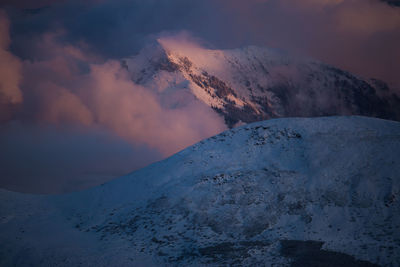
point(284, 192)
point(254, 84)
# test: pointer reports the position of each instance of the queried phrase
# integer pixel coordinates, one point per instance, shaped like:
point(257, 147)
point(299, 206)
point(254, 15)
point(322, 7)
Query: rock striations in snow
point(283, 192)
point(254, 83)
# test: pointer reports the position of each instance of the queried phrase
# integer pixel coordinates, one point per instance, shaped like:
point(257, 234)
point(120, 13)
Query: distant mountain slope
point(299, 192)
point(254, 83)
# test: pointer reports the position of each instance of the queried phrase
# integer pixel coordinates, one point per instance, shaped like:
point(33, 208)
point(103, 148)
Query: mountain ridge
point(257, 194)
point(255, 83)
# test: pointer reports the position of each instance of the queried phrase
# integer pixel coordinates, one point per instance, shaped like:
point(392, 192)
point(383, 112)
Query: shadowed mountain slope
point(290, 192)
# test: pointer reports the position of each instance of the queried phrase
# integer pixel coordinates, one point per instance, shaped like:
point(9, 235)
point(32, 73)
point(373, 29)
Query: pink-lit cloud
point(68, 85)
point(10, 66)
point(84, 96)
point(136, 114)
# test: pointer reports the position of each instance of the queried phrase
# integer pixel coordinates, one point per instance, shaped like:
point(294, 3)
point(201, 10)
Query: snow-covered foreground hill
point(299, 191)
point(256, 83)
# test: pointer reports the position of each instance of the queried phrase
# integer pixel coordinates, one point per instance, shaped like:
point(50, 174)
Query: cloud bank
point(10, 72)
point(361, 36)
point(63, 158)
point(67, 87)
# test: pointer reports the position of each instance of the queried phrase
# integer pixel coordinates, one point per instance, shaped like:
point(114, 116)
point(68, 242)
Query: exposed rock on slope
point(254, 83)
point(300, 192)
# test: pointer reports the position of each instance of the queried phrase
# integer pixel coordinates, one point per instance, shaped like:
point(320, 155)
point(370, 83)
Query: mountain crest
point(254, 83)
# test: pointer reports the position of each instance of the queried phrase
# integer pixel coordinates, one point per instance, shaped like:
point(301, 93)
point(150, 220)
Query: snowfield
point(256, 83)
point(282, 192)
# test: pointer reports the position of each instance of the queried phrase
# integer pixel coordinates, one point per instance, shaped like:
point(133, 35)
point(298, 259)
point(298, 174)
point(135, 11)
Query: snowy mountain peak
point(255, 83)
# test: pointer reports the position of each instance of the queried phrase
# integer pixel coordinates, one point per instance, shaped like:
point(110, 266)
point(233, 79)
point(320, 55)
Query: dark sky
point(60, 77)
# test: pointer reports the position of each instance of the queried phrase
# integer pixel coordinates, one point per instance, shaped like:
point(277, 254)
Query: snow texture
point(255, 83)
point(282, 192)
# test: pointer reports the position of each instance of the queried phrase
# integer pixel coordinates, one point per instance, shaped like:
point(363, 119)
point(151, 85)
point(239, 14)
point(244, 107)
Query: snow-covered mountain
point(300, 192)
point(254, 83)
